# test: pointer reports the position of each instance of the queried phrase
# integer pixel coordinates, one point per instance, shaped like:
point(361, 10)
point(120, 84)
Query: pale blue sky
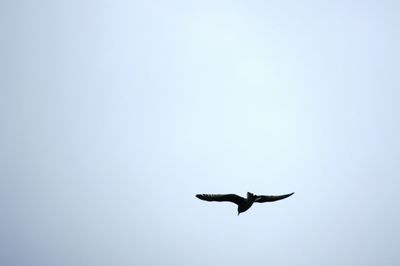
point(114, 114)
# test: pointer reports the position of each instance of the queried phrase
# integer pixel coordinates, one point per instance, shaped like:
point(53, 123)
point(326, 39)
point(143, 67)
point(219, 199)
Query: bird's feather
point(263, 198)
point(221, 197)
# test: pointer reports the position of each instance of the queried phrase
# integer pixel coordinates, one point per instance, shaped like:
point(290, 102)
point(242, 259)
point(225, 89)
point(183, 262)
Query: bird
point(243, 203)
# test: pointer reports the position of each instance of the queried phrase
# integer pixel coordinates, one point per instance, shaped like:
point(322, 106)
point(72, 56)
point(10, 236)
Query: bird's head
point(250, 195)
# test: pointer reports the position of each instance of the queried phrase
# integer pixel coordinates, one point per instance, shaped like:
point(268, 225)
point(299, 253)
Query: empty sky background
point(114, 114)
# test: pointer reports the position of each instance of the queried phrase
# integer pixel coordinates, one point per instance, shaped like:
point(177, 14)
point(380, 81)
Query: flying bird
point(243, 203)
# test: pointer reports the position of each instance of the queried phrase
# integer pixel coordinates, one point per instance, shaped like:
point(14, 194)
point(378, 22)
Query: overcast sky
point(114, 114)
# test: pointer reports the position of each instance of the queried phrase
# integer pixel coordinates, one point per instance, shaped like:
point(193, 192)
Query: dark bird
point(243, 203)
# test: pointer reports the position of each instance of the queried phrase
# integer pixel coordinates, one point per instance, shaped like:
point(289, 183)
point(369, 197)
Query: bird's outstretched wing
point(271, 198)
point(221, 197)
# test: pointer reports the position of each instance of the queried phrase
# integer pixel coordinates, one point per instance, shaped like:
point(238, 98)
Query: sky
point(114, 114)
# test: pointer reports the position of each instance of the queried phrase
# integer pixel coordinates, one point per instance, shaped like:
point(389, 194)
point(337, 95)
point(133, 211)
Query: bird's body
point(243, 203)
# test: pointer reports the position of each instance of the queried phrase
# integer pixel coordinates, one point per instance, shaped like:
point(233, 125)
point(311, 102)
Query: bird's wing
point(221, 197)
point(271, 198)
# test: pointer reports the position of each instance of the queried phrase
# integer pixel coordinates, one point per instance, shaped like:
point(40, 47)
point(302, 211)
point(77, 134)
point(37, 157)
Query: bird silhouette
point(243, 203)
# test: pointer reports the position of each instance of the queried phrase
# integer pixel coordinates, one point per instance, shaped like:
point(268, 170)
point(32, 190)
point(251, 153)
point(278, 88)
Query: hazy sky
point(114, 114)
